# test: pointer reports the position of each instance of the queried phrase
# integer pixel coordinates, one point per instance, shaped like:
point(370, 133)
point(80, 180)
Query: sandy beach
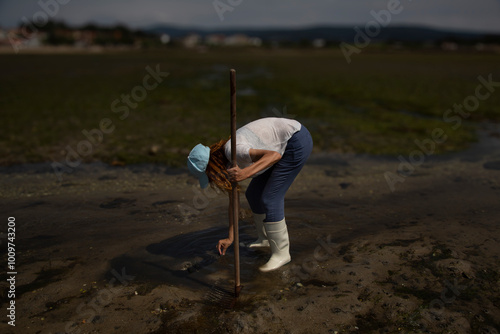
point(131, 249)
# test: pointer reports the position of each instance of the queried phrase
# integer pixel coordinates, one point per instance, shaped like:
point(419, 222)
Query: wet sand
point(132, 249)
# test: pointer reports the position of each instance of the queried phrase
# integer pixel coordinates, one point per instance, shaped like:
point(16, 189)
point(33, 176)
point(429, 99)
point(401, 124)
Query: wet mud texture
point(132, 249)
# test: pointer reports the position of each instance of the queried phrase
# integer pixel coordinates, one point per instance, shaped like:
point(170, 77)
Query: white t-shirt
point(270, 133)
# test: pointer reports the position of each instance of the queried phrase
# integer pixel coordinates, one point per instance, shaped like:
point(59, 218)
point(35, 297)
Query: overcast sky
point(479, 15)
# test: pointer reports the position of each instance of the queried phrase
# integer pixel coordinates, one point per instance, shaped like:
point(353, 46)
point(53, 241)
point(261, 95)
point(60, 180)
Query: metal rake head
point(221, 297)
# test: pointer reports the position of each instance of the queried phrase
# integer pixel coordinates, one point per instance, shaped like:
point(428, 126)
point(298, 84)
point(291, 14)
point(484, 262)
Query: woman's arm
point(262, 159)
point(225, 243)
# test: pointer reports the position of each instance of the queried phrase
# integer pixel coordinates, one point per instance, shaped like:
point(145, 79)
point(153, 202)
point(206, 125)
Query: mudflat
point(132, 249)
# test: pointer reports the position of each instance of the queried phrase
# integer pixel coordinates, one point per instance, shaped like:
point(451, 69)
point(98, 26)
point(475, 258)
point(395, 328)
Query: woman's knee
point(272, 204)
point(254, 201)
point(250, 195)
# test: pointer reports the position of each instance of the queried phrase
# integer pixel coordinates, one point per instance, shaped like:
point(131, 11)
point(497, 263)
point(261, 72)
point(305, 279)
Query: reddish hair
point(217, 167)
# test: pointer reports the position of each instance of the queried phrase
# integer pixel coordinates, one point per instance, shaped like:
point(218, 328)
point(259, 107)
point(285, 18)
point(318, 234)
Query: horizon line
point(260, 28)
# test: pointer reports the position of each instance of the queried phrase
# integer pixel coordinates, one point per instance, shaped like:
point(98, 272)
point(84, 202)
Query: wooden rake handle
point(234, 186)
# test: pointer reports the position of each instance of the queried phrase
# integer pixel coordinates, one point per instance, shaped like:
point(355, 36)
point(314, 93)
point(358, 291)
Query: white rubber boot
point(261, 232)
point(277, 234)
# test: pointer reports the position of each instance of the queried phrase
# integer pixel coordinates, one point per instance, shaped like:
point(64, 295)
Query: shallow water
point(192, 260)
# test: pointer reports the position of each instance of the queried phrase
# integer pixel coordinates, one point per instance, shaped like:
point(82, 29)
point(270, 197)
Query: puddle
point(493, 165)
point(192, 260)
point(487, 148)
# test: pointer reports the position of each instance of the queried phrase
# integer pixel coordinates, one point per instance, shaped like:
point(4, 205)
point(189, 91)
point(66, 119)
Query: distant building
point(192, 40)
point(319, 43)
point(19, 39)
point(3, 38)
point(215, 39)
point(165, 39)
point(482, 47)
point(84, 38)
point(237, 40)
point(242, 40)
point(449, 46)
point(255, 41)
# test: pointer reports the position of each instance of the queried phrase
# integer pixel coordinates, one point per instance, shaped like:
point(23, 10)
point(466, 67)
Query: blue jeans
point(266, 192)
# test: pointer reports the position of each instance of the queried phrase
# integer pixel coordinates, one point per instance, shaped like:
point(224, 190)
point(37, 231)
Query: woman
point(272, 151)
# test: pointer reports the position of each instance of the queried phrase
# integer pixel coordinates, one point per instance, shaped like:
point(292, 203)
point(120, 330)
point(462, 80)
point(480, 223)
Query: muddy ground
point(132, 250)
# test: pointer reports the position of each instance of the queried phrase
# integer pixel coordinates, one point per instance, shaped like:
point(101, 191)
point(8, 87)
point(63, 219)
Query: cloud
point(456, 14)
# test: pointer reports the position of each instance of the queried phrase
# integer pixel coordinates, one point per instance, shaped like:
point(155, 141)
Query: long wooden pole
point(234, 186)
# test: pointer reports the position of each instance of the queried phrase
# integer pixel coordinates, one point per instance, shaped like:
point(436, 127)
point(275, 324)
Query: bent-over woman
point(271, 151)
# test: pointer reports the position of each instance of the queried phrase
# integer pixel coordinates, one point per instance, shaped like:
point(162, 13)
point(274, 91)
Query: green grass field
point(379, 104)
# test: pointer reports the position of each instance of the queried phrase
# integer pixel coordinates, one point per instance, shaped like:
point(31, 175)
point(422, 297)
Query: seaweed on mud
point(344, 249)
point(425, 295)
point(483, 324)
point(407, 255)
point(377, 125)
point(364, 295)
point(495, 300)
point(44, 278)
point(204, 323)
point(145, 288)
point(348, 258)
point(422, 264)
point(440, 252)
point(409, 321)
point(209, 320)
point(118, 203)
point(469, 293)
point(318, 283)
point(400, 243)
point(51, 306)
point(489, 276)
point(392, 272)
point(472, 252)
point(369, 322)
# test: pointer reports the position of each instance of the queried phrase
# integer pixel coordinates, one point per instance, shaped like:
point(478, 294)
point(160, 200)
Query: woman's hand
point(224, 245)
point(262, 159)
point(236, 174)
